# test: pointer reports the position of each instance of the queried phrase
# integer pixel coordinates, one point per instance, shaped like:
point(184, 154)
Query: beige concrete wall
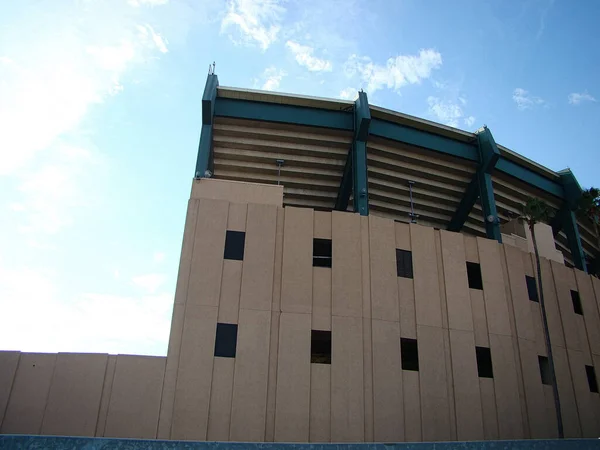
point(75, 394)
point(270, 391)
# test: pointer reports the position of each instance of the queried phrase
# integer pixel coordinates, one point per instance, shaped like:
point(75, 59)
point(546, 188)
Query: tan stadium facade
point(297, 319)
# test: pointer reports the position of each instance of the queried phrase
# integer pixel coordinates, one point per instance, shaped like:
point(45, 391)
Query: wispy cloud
point(149, 282)
point(446, 112)
point(138, 3)
point(304, 57)
point(397, 72)
point(578, 98)
point(257, 21)
point(525, 100)
point(158, 257)
point(349, 94)
point(270, 79)
point(469, 121)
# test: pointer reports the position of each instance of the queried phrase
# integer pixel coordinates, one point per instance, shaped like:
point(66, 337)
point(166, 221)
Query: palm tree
point(589, 207)
point(534, 211)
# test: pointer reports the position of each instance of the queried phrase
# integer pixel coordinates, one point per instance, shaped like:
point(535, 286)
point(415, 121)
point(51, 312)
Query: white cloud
point(42, 320)
point(270, 79)
point(49, 83)
point(348, 94)
point(578, 98)
point(525, 100)
point(469, 121)
point(446, 112)
point(158, 257)
point(137, 3)
point(258, 21)
point(397, 72)
point(304, 57)
point(149, 282)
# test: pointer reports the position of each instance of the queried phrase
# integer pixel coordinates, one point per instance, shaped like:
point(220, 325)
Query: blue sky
point(100, 120)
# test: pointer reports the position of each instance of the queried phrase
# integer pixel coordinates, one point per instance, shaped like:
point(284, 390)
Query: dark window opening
point(320, 347)
point(591, 376)
point(404, 266)
point(576, 303)
point(226, 340)
point(484, 362)
point(532, 289)
point(545, 370)
point(474, 276)
point(321, 252)
point(410, 354)
point(234, 245)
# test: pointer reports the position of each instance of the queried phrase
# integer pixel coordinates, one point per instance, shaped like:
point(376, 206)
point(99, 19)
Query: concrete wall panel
point(494, 293)
point(566, 394)
point(272, 381)
point(236, 220)
point(231, 284)
point(8, 368)
point(426, 282)
point(321, 310)
point(75, 393)
point(518, 291)
point(276, 306)
point(458, 299)
point(471, 250)
point(552, 309)
point(402, 231)
point(367, 329)
point(412, 406)
point(510, 421)
point(207, 259)
point(322, 224)
point(347, 394)
point(292, 411)
point(296, 276)
point(105, 400)
point(259, 256)
point(219, 414)
point(192, 393)
point(388, 407)
point(583, 396)
point(408, 317)
point(432, 381)
point(320, 403)
point(237, 191)
point(27, 402)
point(562, 282)
point(534, 392)
point(346, 273)
point(488, 406)
point(590, 310)
point(480, 327)
point(384, 284)
point(467, 398)
point(249, 404)
point(135, 397)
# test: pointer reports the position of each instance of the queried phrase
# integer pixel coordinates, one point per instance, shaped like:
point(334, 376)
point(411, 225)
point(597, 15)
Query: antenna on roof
point(211, 68)
point(280, 163)
point(411, 214)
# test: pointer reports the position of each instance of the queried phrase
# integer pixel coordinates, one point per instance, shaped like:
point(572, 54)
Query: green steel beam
point(412, 136)
point(481, 186)
point(362, 121)
point(203, 161)
point(530, 177)
point(571, 229)
point(276, 112)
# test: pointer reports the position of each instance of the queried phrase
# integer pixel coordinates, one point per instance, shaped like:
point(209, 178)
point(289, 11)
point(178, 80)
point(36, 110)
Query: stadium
point(348, 274)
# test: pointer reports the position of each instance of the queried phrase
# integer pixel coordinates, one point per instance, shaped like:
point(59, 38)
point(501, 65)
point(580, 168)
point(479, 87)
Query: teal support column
point(204, 159)
point(355, 178)
point(481, 186)
point(566, 219)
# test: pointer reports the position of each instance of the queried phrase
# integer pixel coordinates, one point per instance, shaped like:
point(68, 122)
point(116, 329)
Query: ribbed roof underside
point(314, 160)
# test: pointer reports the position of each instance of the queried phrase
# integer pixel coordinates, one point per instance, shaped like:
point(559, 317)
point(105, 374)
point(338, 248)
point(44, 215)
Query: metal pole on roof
point(412, 215)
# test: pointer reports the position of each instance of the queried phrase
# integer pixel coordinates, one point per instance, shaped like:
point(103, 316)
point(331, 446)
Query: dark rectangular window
point(576, 303)
point(484, 362)
point(532, 289)
point(404, 267)
point(226, 340)
point(320, 347)
point(234, 245)
point(545, 370)
point(474, 275)
point(409, 353)
point(321, 252)
point(591, 376)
